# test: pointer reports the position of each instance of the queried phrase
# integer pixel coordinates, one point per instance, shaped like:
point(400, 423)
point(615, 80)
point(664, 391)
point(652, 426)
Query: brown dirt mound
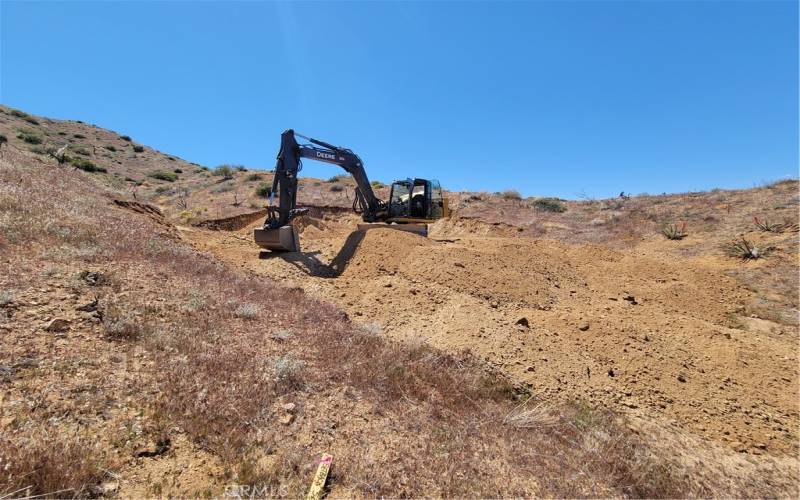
point(466, 226)
point(637, 330)
point(383, 252)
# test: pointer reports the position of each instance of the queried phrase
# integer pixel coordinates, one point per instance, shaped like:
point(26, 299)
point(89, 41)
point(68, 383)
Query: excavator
point(413, 203)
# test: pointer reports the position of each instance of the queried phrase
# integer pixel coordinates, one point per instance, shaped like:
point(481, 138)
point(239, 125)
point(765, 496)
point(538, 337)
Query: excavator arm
point(288, 164)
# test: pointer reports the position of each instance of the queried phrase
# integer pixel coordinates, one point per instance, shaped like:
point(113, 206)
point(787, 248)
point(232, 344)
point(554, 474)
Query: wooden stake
point(318, 484)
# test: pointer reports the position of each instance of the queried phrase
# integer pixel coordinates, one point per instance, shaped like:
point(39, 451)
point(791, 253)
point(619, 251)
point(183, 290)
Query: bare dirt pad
point(639, 331)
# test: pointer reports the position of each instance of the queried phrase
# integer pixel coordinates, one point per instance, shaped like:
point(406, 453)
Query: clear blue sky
point(551, 98)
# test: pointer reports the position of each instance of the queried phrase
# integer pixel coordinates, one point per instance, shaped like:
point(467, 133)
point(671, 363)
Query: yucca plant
point(674, 231)
point(745, 249)
point(767, 226)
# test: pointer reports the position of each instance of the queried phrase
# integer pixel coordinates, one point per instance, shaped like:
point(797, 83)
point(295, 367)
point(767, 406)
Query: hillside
point(186, 191)
point(529, 347)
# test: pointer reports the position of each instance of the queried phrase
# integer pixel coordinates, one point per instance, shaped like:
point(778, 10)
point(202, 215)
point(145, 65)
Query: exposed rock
point(523, 321)
point(153, 449)
point(631, 299)
point(287, 419)
point(6, 373)
point(105, 488)
point(584, 326)
point(57, 325)
point(290, 407)
point(681, 378)
point(739, 447)
point(93, 278)
point(88, 307)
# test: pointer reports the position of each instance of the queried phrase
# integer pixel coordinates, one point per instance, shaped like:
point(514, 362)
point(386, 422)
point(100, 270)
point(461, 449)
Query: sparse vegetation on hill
point(549, 205)
point(25, 116)
point(163, 175)
point(30, 137)
point(87, 165)
point(224, 171)
point(263, 190)
point(673, 231)
point(745, 249)
point(163, 358)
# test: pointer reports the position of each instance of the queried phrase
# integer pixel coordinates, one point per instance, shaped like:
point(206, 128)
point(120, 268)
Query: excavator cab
point(416, 200)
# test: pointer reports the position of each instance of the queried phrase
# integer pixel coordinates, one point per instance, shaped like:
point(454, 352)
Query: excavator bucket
point(282, 239)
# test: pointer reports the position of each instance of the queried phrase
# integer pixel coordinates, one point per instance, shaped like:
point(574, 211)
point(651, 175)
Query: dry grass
point(451, 427)
point(247, 311)
point(50, 464)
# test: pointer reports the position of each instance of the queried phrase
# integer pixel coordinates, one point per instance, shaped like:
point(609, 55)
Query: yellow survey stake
point(315, 491)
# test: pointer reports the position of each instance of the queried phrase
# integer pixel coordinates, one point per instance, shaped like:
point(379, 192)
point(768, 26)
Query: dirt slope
point(155, 369)
point(636, 330)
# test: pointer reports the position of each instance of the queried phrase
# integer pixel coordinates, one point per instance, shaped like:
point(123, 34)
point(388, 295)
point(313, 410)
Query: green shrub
point(204, 169)
point(3, 140)
point(79, 136)
point(511, 194)
point(138, 149)
point(62, 133)
point(549, 205)
point(253, 177)
point(337, 178)
point(225, 171)
point(30, 137)
point(86, 165)
point(80, 150)
point(769, 226)
point(25, 116)
point(240, 168)
point(125, 138)
point(111, 148)
point(170, 158)
point(745, 249)
point(162, 189)
point(263, 190)
point(163, 175)
point(337, 188)
point(178, 171)
point(674, 231)
point(39, 150)
point(377, 184)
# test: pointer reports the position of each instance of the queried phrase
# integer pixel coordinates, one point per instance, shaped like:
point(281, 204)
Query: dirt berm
point(634, 330)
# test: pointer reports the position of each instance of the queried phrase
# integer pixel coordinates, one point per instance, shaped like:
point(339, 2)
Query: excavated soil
point(639, 331)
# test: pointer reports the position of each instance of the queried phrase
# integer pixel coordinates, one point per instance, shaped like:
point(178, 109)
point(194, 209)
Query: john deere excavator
point(412, 202)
